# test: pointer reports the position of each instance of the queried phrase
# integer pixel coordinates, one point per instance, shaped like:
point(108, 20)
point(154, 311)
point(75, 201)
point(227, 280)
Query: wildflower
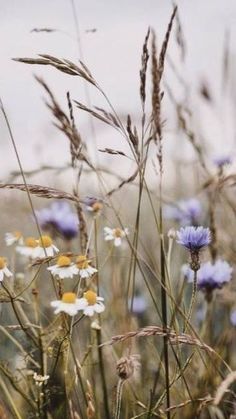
point(59, 219)
point(40, 379)
point(90, 303)
point(194, 238)
point(45, 247)
point(127, 365)
point(233, 318)
point(222, 161)
point(14, 237)
point(68, 304)
point(186, 212)
point(3, 269)
point(28, 246)
point(94, 205)
point(115, 234)
point(210, 275)
point(63, 268)
point(139, 305)
point(84, 268)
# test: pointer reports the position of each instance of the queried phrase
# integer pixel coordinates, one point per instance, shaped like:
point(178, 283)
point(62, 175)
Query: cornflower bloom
point(194, 239)
point(139, 305)
point(211, 276)
point(221, 161)
point(59, 219)
point(186, 212)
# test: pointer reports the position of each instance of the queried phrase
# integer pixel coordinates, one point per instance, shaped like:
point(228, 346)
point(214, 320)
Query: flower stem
point(194, 291)
point(118, 399)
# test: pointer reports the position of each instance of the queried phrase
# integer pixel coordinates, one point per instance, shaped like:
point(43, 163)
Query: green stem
point(194, 292)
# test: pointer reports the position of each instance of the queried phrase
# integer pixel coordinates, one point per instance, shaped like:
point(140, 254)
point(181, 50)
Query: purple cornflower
point(139, 304)
point(59, 219)
point(186, 212)
point(210, 276)
point(233, 318)
point(221, 161)
point(194, 238)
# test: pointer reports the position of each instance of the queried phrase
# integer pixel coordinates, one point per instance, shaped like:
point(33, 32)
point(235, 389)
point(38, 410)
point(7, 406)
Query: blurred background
point(111, 34)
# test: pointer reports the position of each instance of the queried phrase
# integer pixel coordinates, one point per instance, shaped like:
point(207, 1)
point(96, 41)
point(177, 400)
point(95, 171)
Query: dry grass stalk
point(103, 116)
point(159, 331)
point(202, 400)
point(165, 43)
point(66, 125)
point(231, 377)
point(90, 410)
point(73, 413)
point(143, 71)
point(112, 151)
point(179, 36)
point(133, 137)
point(48, 30)
point(156, 102)
point(63, 65)
point(41, 191)
point(124, 182)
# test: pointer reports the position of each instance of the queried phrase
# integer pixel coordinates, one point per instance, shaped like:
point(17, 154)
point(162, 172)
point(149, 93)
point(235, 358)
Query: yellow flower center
point(2, 262)
point(118, 232)
point(45, 241)
point(63, 261)
point(69, 297)
point(97, 206)
point(31, 242)
point(82, 262)
point(91, 297)
point(17, 234)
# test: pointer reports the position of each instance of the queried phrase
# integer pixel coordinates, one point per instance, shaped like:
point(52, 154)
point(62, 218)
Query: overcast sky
point(113, 55)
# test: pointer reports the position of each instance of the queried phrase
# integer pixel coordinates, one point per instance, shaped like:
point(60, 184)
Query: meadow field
point(118, 245)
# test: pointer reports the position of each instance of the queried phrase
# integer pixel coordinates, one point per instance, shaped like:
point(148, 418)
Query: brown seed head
point(127, 365)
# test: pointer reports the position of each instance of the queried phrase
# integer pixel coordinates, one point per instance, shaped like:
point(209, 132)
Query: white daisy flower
point(91, 303)
point(27, 248)
point(14, 237)
point(63, 268)
point(68, 304)
point(4, 271)
point(45, 248)
point(84, 268)
point(115, 234)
